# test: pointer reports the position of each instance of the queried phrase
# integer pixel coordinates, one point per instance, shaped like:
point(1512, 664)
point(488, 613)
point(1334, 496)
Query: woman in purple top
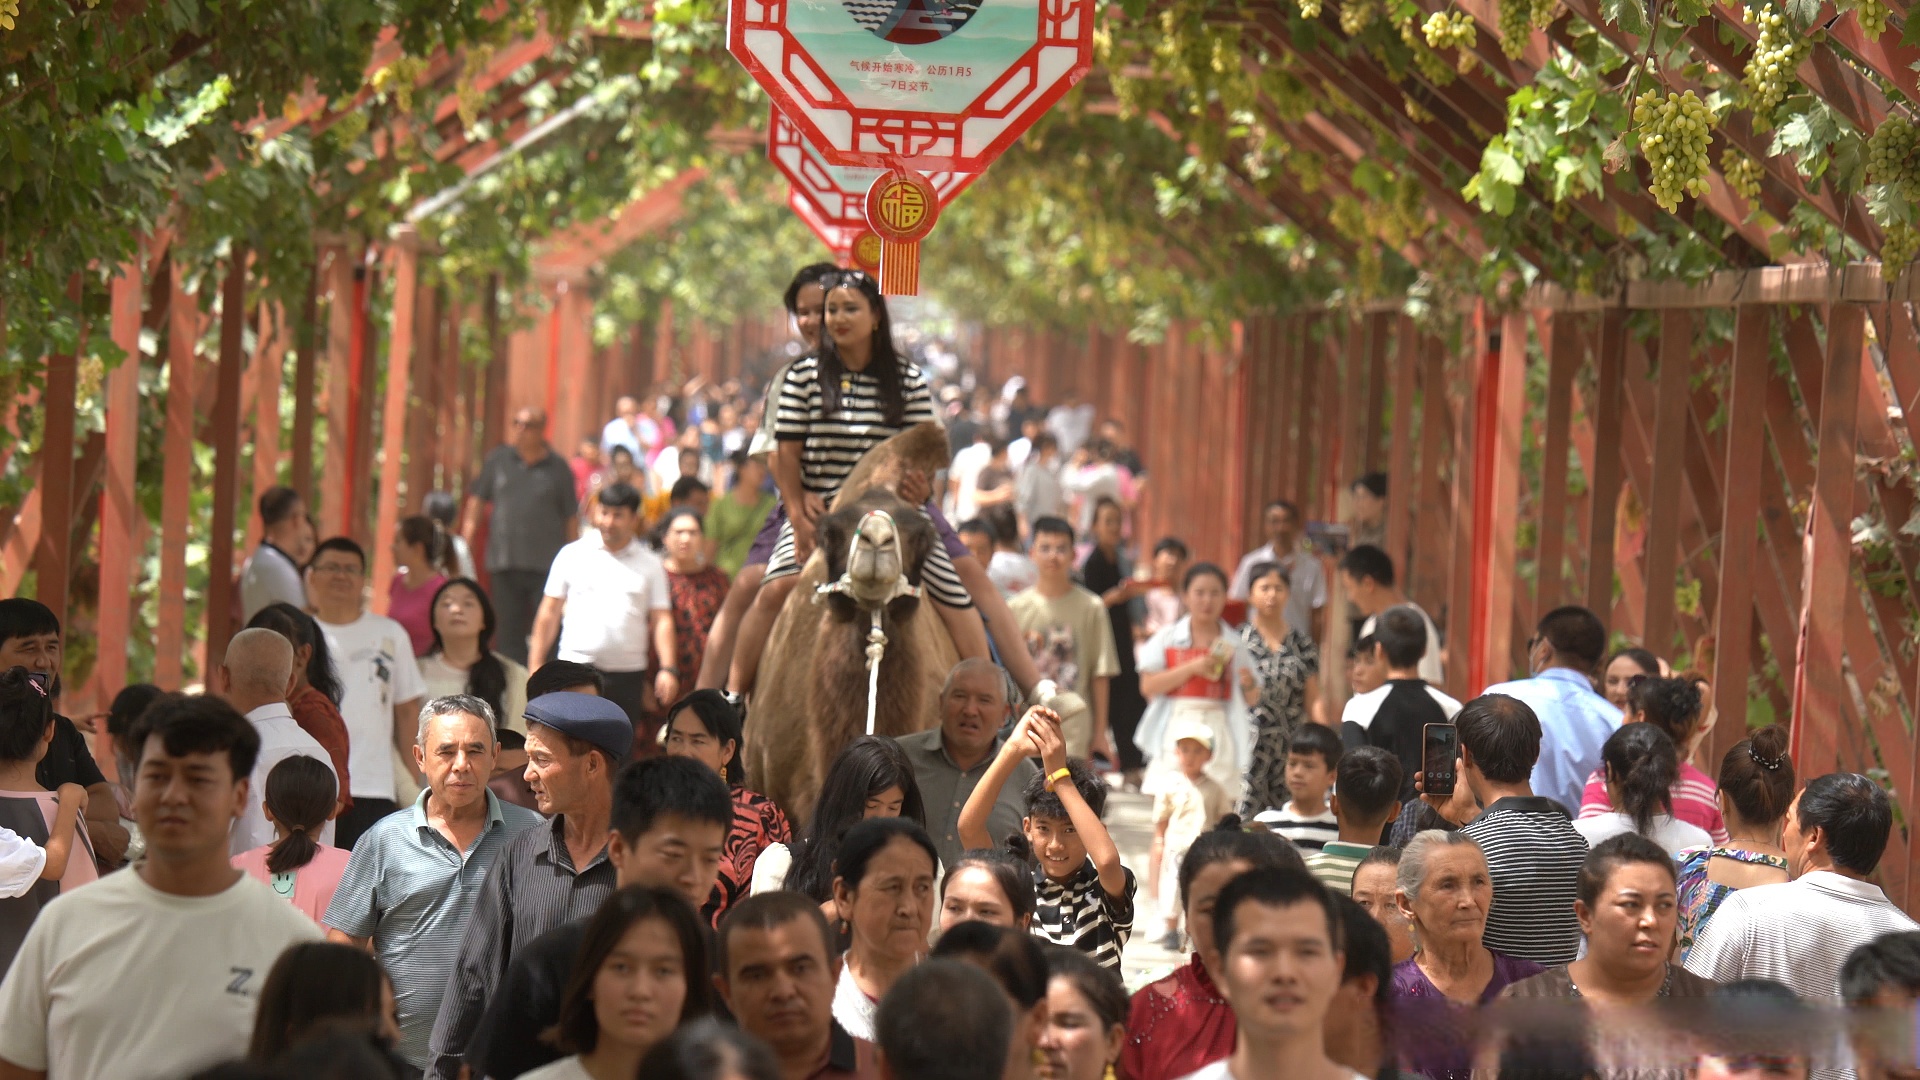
point(1444, 890)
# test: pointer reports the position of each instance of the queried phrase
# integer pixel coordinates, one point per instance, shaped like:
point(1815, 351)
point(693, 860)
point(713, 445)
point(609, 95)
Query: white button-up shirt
point(281, 737)
point(1797, 933)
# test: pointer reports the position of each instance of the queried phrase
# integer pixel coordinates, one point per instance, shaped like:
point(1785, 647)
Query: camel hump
point(922, 446)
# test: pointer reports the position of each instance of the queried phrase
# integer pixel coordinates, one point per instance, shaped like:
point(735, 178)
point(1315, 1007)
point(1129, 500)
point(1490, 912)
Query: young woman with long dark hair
point(317, 986)
point(705, 726)
point(424, 560)
point(460, 658)
point(1641, 764)
point(871, 778)
point(315, 701)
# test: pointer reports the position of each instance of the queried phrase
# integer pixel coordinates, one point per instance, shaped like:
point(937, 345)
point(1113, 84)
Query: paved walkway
point(1130, 820)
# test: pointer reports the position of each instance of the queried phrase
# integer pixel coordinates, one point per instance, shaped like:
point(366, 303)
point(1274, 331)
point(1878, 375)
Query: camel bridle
point(843, 585)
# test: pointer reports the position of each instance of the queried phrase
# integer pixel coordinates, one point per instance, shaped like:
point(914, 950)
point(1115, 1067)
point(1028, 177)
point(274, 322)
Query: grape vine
point(1673, 133)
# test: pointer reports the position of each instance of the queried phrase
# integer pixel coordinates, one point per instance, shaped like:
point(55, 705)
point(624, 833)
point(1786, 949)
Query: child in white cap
point(1189, 803)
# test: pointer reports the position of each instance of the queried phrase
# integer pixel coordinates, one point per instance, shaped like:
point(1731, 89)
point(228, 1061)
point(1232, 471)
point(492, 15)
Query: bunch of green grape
point(1355, 15)
point(1450, 30)
point(1897, 249)
point(1893, 157)
point(1872, 15)
point(1310, 9)
point(1743, 174)
point(1516, 26)
point(1775, 57)
point(1541, 12)
point(1673, 133)
point(9, 11)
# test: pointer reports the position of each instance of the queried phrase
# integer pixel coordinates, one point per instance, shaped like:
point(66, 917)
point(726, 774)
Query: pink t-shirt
point(413, 609)
point(309, 888)
point(80, 867)
point(1693, 800)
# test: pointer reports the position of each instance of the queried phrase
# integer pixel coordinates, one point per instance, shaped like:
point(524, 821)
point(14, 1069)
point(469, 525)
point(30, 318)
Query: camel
point(810, 697)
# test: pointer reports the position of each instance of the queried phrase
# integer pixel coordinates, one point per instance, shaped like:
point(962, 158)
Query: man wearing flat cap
point(548, 875)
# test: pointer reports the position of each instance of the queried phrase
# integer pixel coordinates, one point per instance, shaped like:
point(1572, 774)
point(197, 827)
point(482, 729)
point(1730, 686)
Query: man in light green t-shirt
point(1069, 635)
point(734, 519)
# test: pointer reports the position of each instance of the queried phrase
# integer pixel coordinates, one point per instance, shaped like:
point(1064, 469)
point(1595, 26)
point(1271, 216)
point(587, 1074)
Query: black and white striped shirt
point(1078, 912)
point(834, 443)
point(1534, 856)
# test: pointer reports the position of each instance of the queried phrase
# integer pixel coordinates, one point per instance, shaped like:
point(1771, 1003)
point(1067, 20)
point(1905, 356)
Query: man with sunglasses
point(535, 513)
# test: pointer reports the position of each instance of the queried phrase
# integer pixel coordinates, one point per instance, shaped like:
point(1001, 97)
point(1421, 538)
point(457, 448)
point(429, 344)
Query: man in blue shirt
point(1565, 651)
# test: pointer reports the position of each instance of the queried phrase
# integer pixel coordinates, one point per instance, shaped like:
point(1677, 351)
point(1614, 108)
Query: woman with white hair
point(1443, 889)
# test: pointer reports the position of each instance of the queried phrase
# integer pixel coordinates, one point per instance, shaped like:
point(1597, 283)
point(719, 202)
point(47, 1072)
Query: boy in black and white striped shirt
point(1083, 895)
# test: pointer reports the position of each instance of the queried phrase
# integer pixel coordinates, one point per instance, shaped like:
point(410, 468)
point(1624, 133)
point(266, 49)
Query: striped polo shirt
point(406, 888)
point(1534, 856)
point(1078, 912)
point(1334, 864)
point(835, 441)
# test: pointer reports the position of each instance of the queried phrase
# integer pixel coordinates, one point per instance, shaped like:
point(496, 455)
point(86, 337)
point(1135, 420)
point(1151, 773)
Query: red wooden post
point(1431, 553)
point(1461, 596)
point(406, 256)
point(662, 348)
point(52, 554)
point(1740, 524)
point(226, 458)
point(1502, 472)
point(183, 329)
point(341, 296)
point(493, 417)
point(300, 450)
point(268, 371)
point(426, 442)
point(1370, 456)
point(1663, 503)
point(1608, 416)
point(1821, 691)
point(1400, 486)
point(1306, 405)
point(1556, 332)
point(120, 519)
point(358, 477)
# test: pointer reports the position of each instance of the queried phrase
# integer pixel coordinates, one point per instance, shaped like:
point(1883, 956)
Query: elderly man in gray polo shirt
point(950, 759)
point(415, 876)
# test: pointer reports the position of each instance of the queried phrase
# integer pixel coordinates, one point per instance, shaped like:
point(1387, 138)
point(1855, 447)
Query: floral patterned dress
point(696, 603)
point(1281, 710)
point(1699, 897)
point(757, 824)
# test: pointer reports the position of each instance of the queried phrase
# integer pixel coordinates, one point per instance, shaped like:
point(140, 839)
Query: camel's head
point(874, 549)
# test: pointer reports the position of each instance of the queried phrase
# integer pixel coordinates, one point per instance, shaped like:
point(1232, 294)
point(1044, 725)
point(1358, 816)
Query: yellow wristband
point(1057, 775)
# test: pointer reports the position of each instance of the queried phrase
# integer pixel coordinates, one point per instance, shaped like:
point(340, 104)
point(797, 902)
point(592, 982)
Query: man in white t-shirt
point(964, 474)
point(1367, 574)
point(155, 972)
point(254, 677)
point(380, 685)
point(1277, 930)
point(607, 600)
point(272, 572)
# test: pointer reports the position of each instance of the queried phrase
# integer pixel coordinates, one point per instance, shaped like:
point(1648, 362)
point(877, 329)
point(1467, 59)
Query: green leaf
point(1802, 13)
point(1628, 15)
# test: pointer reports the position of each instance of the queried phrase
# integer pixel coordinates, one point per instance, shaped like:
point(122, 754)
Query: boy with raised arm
point(1083, 895)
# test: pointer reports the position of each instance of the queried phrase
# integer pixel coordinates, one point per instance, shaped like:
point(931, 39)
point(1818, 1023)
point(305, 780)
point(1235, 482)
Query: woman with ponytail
point(299, 799)
point(1756, 787)
point(1640, 764)
point(425, 560)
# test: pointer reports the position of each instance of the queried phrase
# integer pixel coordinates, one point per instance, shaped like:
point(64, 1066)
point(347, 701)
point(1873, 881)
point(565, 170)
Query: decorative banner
point(838, 193)
point(937, 84)
point(902, 207)
point(922, 86)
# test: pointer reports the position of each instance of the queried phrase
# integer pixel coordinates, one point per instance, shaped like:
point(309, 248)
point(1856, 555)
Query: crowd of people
point(503, 830)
